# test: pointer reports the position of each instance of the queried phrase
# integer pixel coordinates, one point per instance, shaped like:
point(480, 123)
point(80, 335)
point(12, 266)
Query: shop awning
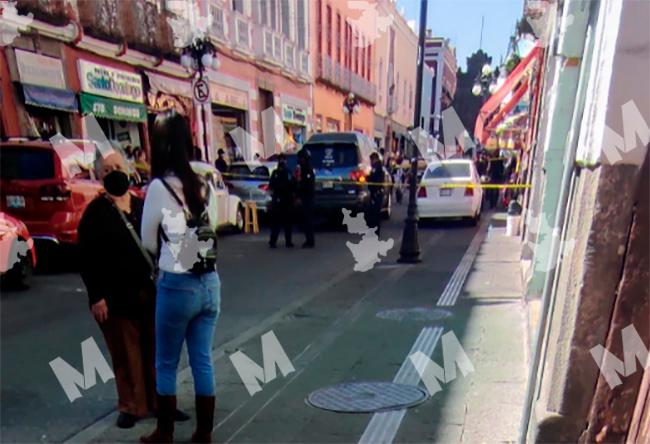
point(513, 84)
point(51, 98)
point(113, 109)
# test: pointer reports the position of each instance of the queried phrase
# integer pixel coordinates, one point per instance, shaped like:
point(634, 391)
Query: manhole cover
point(414, 314)
point(366, 397)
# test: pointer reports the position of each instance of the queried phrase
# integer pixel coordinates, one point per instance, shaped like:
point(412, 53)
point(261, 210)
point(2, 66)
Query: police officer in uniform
point(306, 183)
point(376, 188)
point(282, 187)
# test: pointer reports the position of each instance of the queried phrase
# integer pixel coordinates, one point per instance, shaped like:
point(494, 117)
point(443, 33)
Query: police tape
point(336, 181)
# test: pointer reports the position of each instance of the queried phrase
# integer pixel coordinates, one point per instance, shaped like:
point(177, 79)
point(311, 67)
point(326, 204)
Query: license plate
point(445, 192)
point(328, 184)
point(15, 201)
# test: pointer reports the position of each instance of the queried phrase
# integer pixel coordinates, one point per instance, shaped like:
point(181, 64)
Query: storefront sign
point(224, 95)
point(157, 102)
point(112, 109)
point(36, 69)
point(293, 115)
point(110, 82)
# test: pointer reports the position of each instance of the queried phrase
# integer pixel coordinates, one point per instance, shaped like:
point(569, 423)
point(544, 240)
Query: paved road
point(323, 313)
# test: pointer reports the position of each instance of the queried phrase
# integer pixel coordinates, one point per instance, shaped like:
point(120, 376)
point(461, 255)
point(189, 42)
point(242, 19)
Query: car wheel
point(20, 275)
point(239, 219)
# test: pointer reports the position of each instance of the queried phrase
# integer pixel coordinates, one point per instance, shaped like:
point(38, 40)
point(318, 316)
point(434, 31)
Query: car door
point(222, 200)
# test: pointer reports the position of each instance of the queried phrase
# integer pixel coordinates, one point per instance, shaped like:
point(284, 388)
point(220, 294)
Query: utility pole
point(409, 252)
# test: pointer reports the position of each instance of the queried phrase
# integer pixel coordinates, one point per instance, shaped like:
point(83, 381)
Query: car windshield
point(26, 164)
point(448, 170)
point(261, 173)
point(334, 155)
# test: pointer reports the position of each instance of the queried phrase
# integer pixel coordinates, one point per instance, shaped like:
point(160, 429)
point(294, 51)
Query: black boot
point(204, 419)
point(164, 432)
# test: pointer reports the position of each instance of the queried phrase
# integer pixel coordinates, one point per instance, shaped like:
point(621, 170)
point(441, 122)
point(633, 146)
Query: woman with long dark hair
point(179, 209)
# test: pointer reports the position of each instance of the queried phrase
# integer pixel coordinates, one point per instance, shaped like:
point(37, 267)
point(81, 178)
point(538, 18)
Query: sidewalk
point(495, 340)
point(487, 316)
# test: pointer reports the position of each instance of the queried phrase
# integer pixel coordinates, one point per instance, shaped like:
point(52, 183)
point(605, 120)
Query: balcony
point(101, 19)
point(241, 33)
point(345, 80)
point(289, 56)
point(268, 45)
point(219, 28)
point(304, 71)
point(48, 11)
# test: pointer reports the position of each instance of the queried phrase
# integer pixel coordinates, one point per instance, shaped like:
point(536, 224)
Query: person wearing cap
point(221, 163)
point(305, 187)
point(376, 189)
point(281, 185)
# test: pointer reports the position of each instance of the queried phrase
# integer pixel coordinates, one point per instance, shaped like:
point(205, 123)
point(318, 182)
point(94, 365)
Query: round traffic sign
point(201, 91)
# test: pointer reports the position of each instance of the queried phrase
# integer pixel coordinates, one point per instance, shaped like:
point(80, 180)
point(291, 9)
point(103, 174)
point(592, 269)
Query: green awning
point(113, 109)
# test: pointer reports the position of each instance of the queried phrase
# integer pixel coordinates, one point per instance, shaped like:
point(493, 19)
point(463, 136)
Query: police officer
point(282, 187)
point(306, 183)
point(376, 188)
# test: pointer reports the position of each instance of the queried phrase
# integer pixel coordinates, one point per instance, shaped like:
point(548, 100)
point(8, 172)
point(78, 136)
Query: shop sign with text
point(110, 82)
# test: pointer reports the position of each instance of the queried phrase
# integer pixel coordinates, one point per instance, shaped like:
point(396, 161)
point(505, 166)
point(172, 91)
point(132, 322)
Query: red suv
point(38, 189)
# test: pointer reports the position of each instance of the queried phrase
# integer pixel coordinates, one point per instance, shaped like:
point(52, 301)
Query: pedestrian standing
point(117, 274)
point(306, 184)
point(180, 214)
point(496, 172)
point(281, 185)
point(221, 163)
point(376, 181)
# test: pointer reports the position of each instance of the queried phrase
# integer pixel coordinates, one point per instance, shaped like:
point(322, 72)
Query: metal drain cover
point(367, 397)
point(415, 314)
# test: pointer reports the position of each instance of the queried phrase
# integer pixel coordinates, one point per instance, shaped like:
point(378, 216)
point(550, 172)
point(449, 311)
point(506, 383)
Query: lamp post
point(351, 106)
point(198, 56)
point(485, 83)
point(409, 252)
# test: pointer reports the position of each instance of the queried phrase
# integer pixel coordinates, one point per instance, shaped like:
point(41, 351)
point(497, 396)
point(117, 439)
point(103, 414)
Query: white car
point(230, 210)
point(450, 189)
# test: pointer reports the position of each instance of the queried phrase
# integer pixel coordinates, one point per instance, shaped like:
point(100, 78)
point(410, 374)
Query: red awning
point(494, 102)
point(505, 109)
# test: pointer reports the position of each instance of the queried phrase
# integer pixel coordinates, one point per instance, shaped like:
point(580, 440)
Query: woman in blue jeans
point(180, 208)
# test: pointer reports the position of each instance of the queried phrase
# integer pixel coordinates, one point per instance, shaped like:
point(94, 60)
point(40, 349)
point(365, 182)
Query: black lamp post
point(351, 106)
point(409, 252)
point(199, 55)
point(486, 82)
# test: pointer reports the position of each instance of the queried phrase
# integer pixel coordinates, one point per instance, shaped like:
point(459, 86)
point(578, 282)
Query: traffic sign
point(201, 91)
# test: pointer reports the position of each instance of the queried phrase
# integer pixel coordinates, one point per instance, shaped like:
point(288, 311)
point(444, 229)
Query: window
point(338, 38)
point(346, 56)
point(447, 170)
point(274, 14)
point(238, 5)
point(379, 76)
point(328, 31)
point(369, 62)
point(286, 19)
point(356, 51)
point(27, 164)
point(264, 13)
point(362, 50)
point(302, 25)
point(319, 26)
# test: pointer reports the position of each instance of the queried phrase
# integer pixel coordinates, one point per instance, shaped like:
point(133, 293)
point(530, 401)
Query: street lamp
point(409, 251)
point(485, 83)
point(198, 56)
point(351, 106)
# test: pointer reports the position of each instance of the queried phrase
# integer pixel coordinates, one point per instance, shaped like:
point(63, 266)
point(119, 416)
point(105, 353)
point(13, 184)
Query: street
point(329, 320)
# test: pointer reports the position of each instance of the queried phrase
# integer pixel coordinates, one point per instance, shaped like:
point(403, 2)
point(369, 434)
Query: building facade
point(396, 68)
point(440, 56)
point(260, 97)
point(343, 56)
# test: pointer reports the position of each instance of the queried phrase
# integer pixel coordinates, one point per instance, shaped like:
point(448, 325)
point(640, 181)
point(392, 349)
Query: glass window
point(328, 30)
point(26, 164)
point(335, 155)
point(448, 170)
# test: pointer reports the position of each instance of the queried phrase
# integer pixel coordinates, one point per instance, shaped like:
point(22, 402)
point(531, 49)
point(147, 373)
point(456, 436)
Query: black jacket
point(306, 182)
point(376, 176)
point(112, 266)
point(282, 187)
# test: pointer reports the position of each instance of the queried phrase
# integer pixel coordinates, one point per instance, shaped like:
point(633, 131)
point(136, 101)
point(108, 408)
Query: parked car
point(462, 200)
point(341, 163)
point(37, 188)
point(250, 181)
point(230, 209)
point(17, 252)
